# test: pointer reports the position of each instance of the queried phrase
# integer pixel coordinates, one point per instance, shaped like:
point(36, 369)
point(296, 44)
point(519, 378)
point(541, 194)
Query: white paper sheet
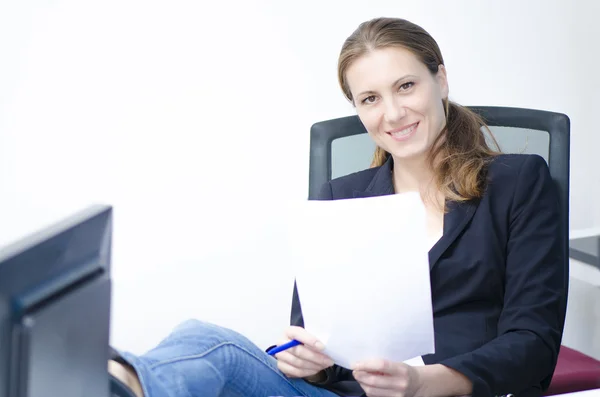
point(362, 272)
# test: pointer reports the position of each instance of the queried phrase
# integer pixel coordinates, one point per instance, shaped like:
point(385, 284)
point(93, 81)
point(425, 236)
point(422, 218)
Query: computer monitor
point(55, 293)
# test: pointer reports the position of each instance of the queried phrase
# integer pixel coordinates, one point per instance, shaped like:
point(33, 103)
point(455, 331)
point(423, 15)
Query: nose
point(394, 111)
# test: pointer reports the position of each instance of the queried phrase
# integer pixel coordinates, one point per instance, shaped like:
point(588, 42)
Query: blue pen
point(285, 346)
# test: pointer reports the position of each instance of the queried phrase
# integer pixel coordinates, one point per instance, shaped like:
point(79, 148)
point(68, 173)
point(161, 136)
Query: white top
point(435, 238)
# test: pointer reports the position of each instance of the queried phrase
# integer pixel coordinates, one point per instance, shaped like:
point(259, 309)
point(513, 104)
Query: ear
point(442, 79)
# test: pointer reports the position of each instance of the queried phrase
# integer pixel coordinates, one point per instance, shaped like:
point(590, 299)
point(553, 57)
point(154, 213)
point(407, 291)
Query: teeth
point(405, 131)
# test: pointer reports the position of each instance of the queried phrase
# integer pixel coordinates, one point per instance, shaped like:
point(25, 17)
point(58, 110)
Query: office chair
point(341, 146)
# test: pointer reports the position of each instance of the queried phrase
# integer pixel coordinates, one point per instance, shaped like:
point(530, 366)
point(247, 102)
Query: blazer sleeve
point(334, 373)
point(530, 327)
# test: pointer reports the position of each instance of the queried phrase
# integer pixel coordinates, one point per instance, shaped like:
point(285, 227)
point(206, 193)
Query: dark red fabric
point(574, 372)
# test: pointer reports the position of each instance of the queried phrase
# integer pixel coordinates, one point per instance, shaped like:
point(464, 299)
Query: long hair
point(460, 153)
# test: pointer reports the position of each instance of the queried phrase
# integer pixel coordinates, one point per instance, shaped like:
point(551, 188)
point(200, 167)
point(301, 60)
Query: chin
point(408, 153)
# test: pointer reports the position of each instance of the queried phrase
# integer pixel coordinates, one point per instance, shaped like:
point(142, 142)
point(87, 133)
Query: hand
point(381, 378)
point(303, 360)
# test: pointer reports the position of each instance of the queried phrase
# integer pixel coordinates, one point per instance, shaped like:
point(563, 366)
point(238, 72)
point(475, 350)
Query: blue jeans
point(200, 359)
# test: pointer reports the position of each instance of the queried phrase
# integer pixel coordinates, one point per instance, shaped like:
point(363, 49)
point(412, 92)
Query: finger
point(297, 362)
point(306, 354)
point(375, 392)
point(303, 357)
point(304, 337)
point(379, 381)
point(294, 372)
point(384, 366)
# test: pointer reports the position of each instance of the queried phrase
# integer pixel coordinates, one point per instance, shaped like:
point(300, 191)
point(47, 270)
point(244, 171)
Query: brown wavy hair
point(460, 153)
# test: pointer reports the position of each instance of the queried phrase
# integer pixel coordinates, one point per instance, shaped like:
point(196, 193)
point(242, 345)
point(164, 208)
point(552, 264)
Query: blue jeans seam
point(195, 356)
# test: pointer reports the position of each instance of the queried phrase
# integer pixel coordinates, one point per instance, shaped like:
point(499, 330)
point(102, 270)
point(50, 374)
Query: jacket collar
point(382, 183)
point(456, 218)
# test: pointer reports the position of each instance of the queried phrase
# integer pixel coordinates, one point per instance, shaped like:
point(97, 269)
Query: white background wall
point(192, 119)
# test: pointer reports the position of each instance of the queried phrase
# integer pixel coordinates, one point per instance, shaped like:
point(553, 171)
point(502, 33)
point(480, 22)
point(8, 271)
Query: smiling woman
point(405, 115)
point(400, 92)
point(497, 281)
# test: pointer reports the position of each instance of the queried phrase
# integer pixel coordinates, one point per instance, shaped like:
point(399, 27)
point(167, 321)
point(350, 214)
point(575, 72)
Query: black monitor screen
point(55, 309)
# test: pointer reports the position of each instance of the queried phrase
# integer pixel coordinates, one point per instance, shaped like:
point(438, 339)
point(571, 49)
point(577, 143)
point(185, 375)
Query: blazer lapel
point(382, 183)
point(455, 220)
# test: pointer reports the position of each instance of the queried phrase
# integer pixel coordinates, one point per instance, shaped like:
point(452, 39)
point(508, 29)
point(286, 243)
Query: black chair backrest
point(341, 146)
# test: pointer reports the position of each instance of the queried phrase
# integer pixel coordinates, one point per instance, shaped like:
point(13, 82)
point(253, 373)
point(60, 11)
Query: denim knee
point(191, 324)
point(206, 333)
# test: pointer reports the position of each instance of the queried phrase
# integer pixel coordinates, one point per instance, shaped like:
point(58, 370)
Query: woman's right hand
point(304, 360)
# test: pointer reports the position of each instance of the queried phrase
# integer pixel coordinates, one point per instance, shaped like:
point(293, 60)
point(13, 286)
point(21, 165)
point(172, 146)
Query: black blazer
point(497, 279)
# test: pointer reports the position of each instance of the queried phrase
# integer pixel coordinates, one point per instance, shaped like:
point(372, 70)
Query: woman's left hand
point(381, 378)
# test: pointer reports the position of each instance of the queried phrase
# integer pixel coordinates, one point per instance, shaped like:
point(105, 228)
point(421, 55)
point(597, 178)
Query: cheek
point(422, 104)
point(430, 108)
point(437, 114)
point(370, 119)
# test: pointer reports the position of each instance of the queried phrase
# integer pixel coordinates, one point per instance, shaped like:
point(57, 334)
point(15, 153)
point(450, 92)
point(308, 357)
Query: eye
point(406, 86)
point(369, 99)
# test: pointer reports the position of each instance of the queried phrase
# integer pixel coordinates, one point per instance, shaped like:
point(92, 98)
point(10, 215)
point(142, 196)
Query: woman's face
point(398, 100)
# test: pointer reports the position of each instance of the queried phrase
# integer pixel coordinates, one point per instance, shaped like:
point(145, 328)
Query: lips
point(403, 133)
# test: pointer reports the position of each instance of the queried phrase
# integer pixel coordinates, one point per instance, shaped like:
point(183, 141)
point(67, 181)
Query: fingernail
point(329, 363)
point(319, 345)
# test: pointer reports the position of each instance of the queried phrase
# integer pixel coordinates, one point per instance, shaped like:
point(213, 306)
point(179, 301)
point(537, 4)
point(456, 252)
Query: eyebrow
point(395, 83)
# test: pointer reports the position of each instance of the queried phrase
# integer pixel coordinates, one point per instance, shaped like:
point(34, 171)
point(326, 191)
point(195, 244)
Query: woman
point(496, 257)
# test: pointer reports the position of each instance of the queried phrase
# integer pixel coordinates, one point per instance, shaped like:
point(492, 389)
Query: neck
point(412, 175)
